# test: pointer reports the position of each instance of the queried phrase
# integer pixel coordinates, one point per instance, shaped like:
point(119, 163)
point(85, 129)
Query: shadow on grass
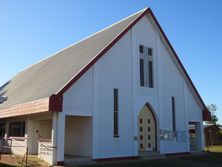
point(5, 165)
point(35, 162)
point(17, 160)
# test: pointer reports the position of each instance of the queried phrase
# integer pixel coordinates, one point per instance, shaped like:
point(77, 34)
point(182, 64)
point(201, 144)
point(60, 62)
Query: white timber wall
point(169, 82)
point(92, 95)
point(78, 99)
point(144, 34)
point(194, 113)
point(38, 127)
point(113, 70)
point(34, 129)
point(193, 108)
point(78, 110)
point(172, 85)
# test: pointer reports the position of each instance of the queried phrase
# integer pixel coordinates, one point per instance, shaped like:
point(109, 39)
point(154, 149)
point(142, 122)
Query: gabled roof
point(54, 75)
point(49, 76)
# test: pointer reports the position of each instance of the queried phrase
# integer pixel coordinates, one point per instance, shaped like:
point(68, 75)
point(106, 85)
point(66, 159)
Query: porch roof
point(32, 107)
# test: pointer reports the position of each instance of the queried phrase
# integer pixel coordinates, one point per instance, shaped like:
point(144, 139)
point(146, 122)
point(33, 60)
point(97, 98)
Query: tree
point(213, 108)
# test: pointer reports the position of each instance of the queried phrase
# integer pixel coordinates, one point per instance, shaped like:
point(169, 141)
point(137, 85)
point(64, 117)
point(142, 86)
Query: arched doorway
point(147, 136)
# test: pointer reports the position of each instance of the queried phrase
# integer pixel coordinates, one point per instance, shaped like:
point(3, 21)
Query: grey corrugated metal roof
point(50, 75)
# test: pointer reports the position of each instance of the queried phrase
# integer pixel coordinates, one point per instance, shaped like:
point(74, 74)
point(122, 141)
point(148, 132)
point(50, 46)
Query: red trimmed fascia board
point(59, 95)
point(54, 98)
point(60, 163)
point(55, 103)
point(206, 115)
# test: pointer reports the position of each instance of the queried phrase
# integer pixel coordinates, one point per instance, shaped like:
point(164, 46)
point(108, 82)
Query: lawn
point(206, 160)
point(214, 149)
point(16, 160)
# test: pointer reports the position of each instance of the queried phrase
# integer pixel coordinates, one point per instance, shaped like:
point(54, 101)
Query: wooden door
point(147, 130)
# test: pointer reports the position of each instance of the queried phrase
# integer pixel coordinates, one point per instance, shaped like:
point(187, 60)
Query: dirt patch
point(16, 160)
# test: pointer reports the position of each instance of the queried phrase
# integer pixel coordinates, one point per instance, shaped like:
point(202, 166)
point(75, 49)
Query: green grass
point(7, 160)
point(217, 149)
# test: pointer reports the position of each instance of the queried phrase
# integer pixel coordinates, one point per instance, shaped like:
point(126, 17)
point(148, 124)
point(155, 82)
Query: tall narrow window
point(115, 116)
point(141, 73)
point(141, 48)
point(173, 113)
point(150, 66)
point(150, 74)
point(146, 66)
point(2, 130)
point(150, 51)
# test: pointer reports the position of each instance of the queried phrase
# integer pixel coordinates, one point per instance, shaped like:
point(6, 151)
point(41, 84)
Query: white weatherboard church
point(120, 93)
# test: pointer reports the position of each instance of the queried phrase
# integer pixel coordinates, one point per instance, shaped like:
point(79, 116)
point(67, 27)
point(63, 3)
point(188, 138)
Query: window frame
point(16, 125)
point(173, 105)
point(115, 113)
point(146, 72)
point(2, 129)
point(141, 48)
point(150, 71)
point(142, 73)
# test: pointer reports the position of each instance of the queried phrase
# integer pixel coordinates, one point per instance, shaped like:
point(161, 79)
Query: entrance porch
point(54, 137)
point(196, 136)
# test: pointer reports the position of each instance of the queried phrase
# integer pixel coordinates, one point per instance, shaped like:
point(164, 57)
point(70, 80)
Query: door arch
point(147, 130)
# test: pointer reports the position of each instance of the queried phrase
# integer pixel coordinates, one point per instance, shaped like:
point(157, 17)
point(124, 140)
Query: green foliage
point(220, 136)
point(213, 108)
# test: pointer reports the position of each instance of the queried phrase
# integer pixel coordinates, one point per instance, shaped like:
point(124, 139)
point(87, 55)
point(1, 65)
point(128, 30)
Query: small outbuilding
point(212, 135)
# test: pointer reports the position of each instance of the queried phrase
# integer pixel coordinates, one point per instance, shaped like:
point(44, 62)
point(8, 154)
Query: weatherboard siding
point(172, 85)
point(169, 82)
point(193, 108)
point(92, 95)
point(78, 99)
point(113, 70)
point(143, 33)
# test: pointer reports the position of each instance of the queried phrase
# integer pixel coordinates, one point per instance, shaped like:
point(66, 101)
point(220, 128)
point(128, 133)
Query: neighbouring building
point(118, 93)
point(213, 135)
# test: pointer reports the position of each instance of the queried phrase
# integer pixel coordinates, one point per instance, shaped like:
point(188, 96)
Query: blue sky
point(32, 30)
